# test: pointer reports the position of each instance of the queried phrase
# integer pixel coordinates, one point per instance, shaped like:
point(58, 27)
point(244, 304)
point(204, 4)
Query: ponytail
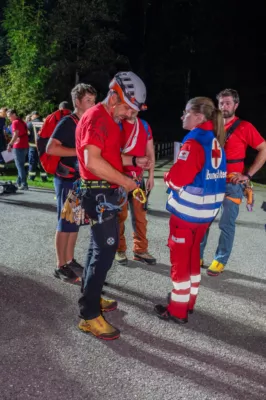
point(218, 127)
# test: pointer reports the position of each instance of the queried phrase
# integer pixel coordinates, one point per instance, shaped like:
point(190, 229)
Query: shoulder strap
point(75, 118)
point(146, 126)
point(230, 130)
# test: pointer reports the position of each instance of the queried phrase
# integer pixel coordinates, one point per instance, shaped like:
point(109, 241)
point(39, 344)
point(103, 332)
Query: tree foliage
point(23, 80)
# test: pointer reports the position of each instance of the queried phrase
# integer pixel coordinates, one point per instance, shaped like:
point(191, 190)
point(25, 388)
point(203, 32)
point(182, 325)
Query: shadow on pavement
point(29, 204)
point(222, 284)
point(178, 367)
point(32, 337)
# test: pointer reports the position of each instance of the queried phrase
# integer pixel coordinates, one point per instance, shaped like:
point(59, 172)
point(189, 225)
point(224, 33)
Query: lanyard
point(132, 138)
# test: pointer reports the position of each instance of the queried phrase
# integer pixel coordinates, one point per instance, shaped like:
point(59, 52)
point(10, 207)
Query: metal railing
point(163, 150)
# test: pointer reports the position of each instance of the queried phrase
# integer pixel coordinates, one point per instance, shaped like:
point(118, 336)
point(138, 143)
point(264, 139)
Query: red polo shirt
point(96, 127)
point(22, 141)
point(236, 146)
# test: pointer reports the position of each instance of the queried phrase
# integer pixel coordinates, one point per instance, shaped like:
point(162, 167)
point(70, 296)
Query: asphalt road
point(219, 354)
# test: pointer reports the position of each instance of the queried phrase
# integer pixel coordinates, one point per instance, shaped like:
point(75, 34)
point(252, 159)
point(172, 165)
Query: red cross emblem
point(216, 154)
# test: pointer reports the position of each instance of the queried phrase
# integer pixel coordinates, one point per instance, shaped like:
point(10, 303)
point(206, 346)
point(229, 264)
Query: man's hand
point(238, 178)
point(130, 185)
point(9, 148)
point(143, 162)
point(149, 184)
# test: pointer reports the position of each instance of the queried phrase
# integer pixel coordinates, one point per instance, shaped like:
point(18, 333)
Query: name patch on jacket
point(215, 175)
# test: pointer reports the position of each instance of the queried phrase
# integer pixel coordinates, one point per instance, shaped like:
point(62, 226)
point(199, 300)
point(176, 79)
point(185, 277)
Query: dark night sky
point(229, 51)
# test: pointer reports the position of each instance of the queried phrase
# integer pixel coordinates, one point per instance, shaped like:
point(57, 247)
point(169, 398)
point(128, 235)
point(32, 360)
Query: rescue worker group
point(98, 154)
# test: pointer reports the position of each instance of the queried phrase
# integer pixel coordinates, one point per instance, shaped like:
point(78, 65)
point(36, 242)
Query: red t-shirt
point(96, 127)
point(235, 148)
point(129, 136)
point(190, 162)
point(22, 141)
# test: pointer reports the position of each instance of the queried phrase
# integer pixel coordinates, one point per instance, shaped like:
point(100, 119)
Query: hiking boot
point(66, 275)
point(100, 328)
point(146, 258)
point(76, 267)
point(108, 305)
point(202, 265)
point(163, 313)
point(215, 269)
point(21, 187)
point(121, 257)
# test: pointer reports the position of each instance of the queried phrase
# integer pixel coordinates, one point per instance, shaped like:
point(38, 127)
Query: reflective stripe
point(181, 285)
point(43, 174)
point(194, 290)
point(191, 211)
point(178, 240)
point(192, 198)
point(195, 278)
point(181, 298)
point(32, 173)
point(173, 186)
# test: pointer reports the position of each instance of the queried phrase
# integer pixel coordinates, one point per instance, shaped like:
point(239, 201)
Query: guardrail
point(163, 149)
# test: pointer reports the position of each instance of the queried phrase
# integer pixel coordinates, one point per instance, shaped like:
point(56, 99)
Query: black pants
point(101, 252)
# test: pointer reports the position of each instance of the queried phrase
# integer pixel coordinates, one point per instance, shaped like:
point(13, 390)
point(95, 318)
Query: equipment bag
point(7, 188)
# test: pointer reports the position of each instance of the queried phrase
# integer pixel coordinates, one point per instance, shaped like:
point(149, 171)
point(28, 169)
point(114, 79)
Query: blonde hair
point(205, 106)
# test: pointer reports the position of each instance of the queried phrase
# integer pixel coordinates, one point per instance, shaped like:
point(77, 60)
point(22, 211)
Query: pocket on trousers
point(106, 233)
point(180, 237)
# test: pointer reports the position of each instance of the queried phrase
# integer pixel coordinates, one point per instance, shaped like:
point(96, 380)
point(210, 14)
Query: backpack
point(49, 162)
point(7, 187)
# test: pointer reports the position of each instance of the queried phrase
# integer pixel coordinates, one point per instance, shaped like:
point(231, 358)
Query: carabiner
point(140, 195)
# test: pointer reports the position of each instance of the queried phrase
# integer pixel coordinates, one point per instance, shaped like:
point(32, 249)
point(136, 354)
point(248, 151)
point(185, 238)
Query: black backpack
point(7, 187)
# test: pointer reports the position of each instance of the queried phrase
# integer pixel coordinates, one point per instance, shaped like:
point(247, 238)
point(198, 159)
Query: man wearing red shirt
point(101, 170)
point(20, 144)
point(243, 135)
point(136, 141)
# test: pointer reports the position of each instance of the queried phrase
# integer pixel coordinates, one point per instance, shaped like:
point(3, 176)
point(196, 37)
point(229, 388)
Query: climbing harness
point(103, 205)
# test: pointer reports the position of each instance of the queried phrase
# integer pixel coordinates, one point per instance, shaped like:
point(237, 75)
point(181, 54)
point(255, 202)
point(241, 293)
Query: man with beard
point(240, 135)
point(98, 143)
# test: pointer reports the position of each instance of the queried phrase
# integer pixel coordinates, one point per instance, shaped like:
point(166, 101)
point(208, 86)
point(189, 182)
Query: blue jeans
point(20, 157)
point(101, 252)
point(227, 224)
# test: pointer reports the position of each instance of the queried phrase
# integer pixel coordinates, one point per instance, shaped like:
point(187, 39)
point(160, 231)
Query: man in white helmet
point(98, 145)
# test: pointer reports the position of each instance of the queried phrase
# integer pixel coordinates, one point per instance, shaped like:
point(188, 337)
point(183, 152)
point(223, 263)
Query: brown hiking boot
point(146, 257)
point(100, 328)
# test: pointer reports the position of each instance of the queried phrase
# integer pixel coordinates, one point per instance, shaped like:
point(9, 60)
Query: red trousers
point(184, 243)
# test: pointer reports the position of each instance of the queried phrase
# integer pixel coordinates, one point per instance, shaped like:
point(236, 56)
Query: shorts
point(62, 187)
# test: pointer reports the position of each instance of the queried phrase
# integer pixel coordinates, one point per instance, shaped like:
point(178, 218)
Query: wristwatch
point(249, 176)
point(134, 163)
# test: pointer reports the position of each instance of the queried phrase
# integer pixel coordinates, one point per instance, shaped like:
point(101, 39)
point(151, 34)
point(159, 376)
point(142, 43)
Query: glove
point(67, 212)
point(70, 203)
point(248, 193)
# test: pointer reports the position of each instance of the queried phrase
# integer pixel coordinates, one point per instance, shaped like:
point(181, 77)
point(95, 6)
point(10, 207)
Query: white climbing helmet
point(130, 89)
